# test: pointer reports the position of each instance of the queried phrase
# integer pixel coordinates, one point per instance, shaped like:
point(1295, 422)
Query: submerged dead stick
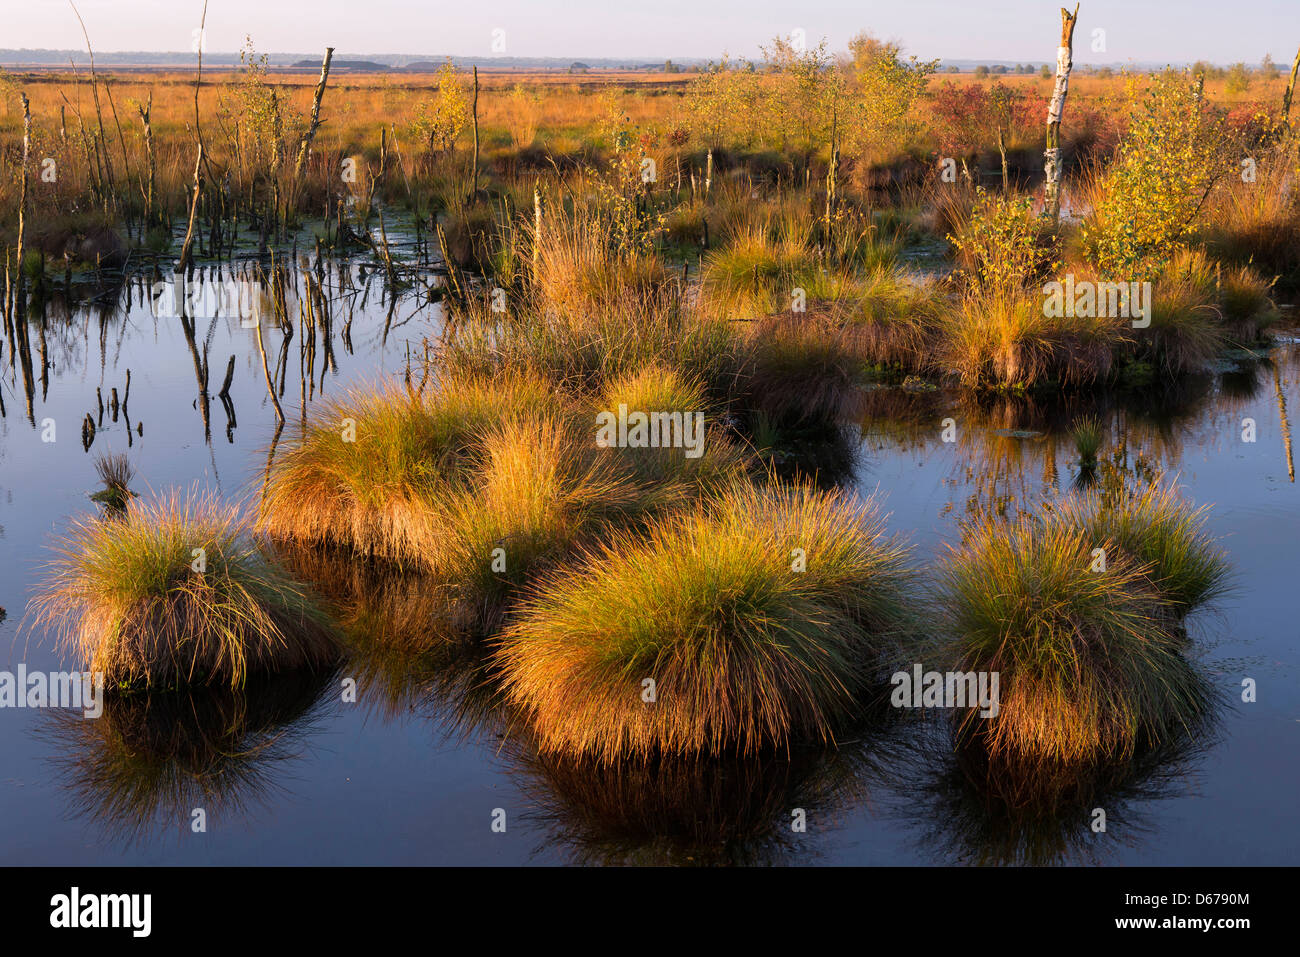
point(266, 371)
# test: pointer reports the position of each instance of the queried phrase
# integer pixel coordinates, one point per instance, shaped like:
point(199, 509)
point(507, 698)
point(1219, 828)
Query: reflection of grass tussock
point(151, 759)
point(180, 590)
point(697, 810)
point(406, 645)
point(745, 650)
point(968, 807)
point(1088, 667)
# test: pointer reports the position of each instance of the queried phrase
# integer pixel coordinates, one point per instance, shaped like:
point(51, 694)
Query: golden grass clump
point(892, 319)
point(1162, 533)
point(178, 591)
point(755, 274)
point(537, 489)
point(375, 470)
point(1088, 668)
point(673, 474)
point(587, 258)
point(759, 618)
point(1001, 340)
point(581, 351)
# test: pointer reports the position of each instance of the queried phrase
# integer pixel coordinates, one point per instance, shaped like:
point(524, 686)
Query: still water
point(416, 771)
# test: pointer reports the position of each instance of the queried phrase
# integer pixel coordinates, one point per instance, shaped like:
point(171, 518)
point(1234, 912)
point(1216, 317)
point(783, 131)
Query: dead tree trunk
point(474, 168)
point(1002, 148)
point(194, 207)
point(1290, 90)
point(1064, 63)
point(22, 199)
point(145, 111)
point(305, 146)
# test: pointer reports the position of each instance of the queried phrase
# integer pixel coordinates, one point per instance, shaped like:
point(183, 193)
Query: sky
point(651, 30)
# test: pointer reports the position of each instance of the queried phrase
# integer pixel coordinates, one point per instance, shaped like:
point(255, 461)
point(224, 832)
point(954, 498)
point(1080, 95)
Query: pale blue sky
point(1135, 30)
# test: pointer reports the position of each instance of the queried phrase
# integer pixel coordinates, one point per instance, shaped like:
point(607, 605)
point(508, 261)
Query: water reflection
point(1012, 452)
point(961, 807)
point(144, 765)
point(406, 650)
point(149, 760)
point(758, 809)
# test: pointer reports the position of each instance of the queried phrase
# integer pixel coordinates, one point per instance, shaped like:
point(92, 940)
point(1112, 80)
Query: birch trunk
point(1064, 63)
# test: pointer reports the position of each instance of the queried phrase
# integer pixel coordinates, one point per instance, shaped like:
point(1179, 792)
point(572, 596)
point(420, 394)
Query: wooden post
point(315, 115)
point(1064, 63)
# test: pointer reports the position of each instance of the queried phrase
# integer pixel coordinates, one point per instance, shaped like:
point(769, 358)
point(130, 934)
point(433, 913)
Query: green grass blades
point(178, 591)
point(757, 621)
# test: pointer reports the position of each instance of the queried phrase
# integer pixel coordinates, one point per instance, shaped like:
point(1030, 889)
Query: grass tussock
point(537, 490)
point(178, 591)
point(801, 370)
point(745, 650)
point(579, 352)
point(704, 464)
point(115, 474)
point(1163, 534)
point(1089, 669)
point(1006, 341)
point(374, 470)
point(892, 320)
point(1088, 435)
point(755, 274)
point(583, 261)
